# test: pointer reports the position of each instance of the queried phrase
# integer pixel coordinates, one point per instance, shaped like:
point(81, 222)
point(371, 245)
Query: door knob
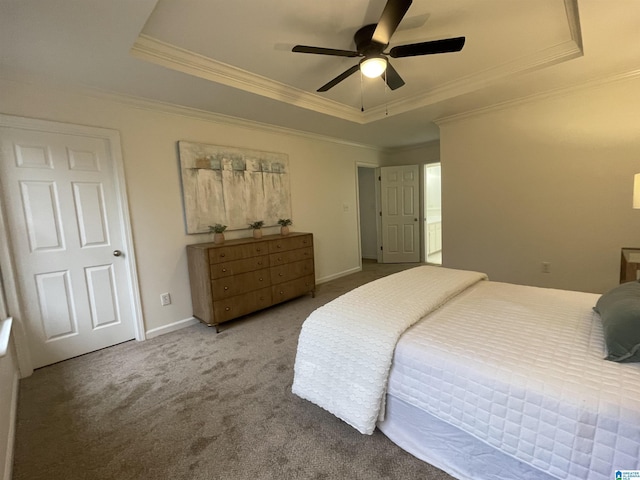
point(117, 253)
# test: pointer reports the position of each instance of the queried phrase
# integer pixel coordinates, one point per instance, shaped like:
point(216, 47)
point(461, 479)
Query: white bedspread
point(522, 369)
point(346, 346)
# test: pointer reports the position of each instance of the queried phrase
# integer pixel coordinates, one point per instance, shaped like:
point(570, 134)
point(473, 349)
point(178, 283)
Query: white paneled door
point(67, 239)
point(400, 192)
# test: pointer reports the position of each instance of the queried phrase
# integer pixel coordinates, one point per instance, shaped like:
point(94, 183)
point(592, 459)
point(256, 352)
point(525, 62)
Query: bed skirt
point(448, 448)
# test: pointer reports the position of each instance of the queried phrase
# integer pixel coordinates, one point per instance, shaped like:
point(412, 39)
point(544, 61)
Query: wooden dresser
point(245, 275)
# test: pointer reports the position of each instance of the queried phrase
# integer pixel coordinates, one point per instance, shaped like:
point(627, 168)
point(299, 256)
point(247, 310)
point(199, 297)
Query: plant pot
point(284, 230)
point(257, 233)
point(218, 238)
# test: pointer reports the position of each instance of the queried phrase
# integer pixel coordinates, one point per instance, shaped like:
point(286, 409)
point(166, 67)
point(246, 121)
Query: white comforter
point(346, 346)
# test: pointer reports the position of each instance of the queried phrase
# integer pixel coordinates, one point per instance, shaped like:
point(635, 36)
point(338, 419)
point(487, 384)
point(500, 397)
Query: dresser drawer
point(290, 243)
point(236, 252)
point(239, 305)
point(292, 289)
point(245, 282)
point(227, 269)
point(291, 271)
point(281, 258)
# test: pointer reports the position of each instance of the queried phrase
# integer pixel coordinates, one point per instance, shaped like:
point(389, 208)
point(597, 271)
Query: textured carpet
point(194, 404)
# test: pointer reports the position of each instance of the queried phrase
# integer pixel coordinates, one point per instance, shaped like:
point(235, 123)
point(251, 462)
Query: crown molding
point(556, 92)
point(559, 53)
point(164, 54)
point(170, 56)
point(178, 110)
point(551, 56)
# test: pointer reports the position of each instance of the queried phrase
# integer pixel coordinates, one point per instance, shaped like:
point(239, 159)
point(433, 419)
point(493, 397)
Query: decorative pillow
point(619, 311)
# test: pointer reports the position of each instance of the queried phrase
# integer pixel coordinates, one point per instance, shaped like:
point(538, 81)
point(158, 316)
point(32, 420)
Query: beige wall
point(549, 180)
point(8, 400)
point(323, 181)
point(418, 155)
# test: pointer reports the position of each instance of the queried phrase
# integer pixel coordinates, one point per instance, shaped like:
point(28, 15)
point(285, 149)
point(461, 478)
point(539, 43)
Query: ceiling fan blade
point(392, 77)
point(339, 78)
point(324, 51)
point(428, 48)
point(391, 17)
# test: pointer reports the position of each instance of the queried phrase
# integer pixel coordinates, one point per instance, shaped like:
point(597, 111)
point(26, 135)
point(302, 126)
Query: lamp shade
point(373, 67)
point(636, 190)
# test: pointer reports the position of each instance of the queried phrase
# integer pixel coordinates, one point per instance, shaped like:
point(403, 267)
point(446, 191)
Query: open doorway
point(433, 214)
point(368, 213)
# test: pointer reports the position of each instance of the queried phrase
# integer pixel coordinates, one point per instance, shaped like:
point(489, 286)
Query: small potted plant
point(284, 225)
point(218, 232)
point(257, 228)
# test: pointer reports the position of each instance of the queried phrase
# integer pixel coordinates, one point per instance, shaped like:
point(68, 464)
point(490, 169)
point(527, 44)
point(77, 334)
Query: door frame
point(375, 168)
point(7, 266)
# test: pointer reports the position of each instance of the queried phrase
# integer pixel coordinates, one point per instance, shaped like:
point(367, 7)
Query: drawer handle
point(278, 246)
point(261, 298)
point(259, 263)
point(257, 249)
point(279, 259)
point(280, 274)
point(227, 309)
point(222, 255)
point(281, 292)
point(226, 288)
point(224, 270)
point(260, 279)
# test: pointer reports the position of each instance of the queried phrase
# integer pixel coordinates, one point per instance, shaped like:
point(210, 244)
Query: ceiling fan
point(371, 40)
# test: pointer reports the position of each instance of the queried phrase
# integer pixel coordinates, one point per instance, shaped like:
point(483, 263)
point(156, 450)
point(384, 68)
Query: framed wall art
point(232, 186)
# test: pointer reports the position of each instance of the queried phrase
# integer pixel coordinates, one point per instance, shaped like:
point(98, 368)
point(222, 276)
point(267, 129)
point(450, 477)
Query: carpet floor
point(194, 404)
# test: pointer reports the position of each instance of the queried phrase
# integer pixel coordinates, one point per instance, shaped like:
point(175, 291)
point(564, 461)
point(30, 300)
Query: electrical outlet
point(165, 299)
point(546, 267)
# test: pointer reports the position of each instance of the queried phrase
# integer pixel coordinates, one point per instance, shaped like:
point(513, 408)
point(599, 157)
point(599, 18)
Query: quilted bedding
point(522, 369)
point(346, 346)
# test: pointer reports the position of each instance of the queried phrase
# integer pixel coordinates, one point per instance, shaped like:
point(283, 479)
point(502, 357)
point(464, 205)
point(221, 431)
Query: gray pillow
point(619, 311)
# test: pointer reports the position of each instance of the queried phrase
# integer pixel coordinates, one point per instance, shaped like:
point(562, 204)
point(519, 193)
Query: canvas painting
point(232, 186)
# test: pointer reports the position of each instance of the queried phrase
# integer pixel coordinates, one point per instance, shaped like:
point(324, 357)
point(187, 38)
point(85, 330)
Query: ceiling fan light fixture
point(374, 66)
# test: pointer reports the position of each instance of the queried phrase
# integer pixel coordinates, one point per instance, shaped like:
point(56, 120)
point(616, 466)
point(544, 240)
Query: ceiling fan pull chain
point(361, 94)
point(386, 94)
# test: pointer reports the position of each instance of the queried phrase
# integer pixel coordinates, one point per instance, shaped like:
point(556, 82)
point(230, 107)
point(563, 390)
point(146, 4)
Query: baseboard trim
point(172, 327)
point(338, 275)
point(187, 322)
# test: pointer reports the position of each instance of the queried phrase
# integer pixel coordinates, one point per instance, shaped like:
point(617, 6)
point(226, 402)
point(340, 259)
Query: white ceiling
point(234, 57)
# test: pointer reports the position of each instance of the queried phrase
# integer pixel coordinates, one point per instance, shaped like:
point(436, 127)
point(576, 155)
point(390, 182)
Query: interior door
point(65, 228)
point(400, 200)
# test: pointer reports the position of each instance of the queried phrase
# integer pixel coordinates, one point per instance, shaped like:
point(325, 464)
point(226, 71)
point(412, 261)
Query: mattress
point(521, 369)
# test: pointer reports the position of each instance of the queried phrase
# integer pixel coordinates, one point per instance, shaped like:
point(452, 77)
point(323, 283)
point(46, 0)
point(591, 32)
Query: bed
point(485, 380)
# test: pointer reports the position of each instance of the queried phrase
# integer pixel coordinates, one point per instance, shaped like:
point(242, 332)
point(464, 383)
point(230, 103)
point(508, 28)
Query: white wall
point(8, 402)
point(549, 180)
point(323, 180)
point(8, 396)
